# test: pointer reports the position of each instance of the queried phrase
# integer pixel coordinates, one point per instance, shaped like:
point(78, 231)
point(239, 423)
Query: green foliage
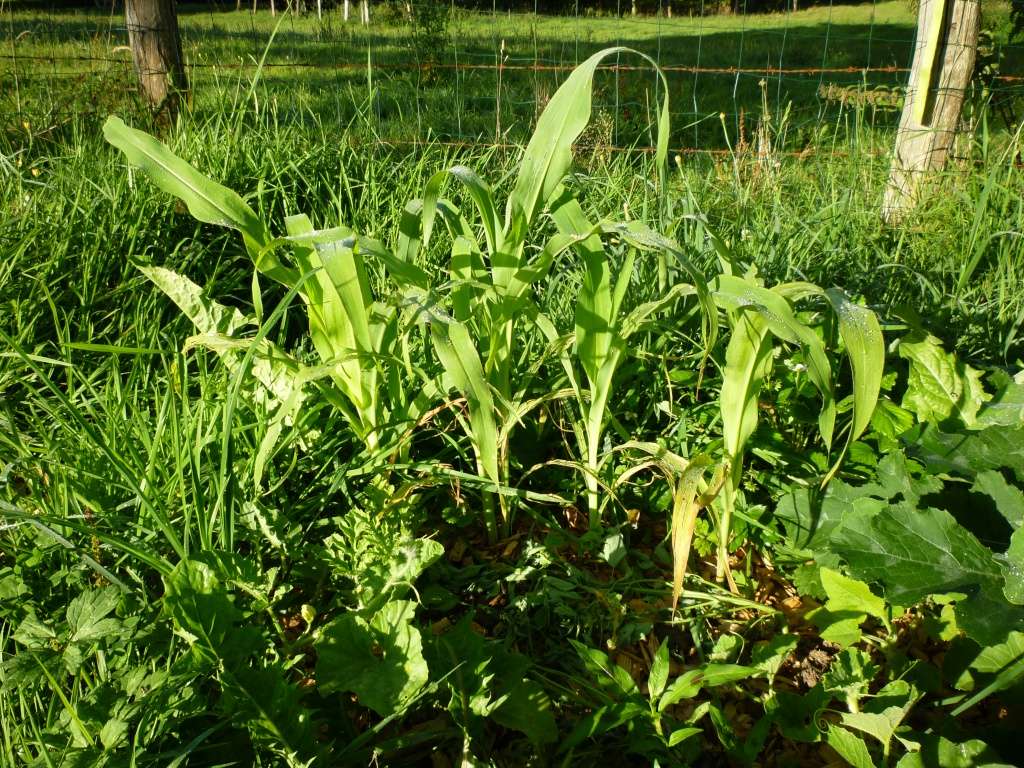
point(756, 314)
point(940, 387)
point(849, 604)
point(265, 549)
point(379, 659)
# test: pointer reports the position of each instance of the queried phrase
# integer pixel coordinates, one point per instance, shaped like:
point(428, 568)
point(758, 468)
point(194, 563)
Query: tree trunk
point(345, 11)
point(947, 42)
point(366, 12)
point(156, 50)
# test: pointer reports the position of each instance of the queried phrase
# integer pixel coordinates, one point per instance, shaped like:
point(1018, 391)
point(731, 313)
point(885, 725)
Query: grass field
point(367, 76)
point(352, 497)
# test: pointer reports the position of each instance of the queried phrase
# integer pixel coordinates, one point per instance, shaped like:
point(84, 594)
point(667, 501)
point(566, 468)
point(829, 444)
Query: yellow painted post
point(947, 42)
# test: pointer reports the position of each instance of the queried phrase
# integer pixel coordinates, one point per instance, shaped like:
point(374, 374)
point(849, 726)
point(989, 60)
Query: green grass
point(122, 456)
point(366, 80)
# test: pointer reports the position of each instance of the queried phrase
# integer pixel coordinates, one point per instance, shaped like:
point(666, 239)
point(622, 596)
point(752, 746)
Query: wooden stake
point(947, 42)
point(156, 50)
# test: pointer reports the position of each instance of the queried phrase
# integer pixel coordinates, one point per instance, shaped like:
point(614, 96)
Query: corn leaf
point(206, 200)
point(549, 153)
point(458, 355)
point(738, 294)
point(747, 361)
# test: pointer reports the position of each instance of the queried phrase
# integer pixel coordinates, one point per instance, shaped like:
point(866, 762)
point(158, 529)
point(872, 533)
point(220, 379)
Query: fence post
point(944, 53)
point(156, 50)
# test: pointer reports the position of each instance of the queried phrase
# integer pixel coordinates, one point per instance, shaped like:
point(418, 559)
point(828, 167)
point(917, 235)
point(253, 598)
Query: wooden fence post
point(156, 50)
point(947, 42)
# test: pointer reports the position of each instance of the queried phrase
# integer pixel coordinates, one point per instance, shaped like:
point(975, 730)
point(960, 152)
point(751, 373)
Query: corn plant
point(491, 275)
point(353, 333)
point(757, 316)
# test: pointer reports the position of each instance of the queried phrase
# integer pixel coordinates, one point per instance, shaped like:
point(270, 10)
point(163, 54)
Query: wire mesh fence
point(802, 81)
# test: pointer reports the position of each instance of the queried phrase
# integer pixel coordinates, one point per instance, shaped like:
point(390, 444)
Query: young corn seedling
point(758, 316)
point(491, 278)
point(353, 333)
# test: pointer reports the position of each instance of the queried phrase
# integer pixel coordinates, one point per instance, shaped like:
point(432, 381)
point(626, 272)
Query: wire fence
point(802, 82)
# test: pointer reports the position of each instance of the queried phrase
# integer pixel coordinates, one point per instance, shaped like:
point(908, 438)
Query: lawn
point(684, 459)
